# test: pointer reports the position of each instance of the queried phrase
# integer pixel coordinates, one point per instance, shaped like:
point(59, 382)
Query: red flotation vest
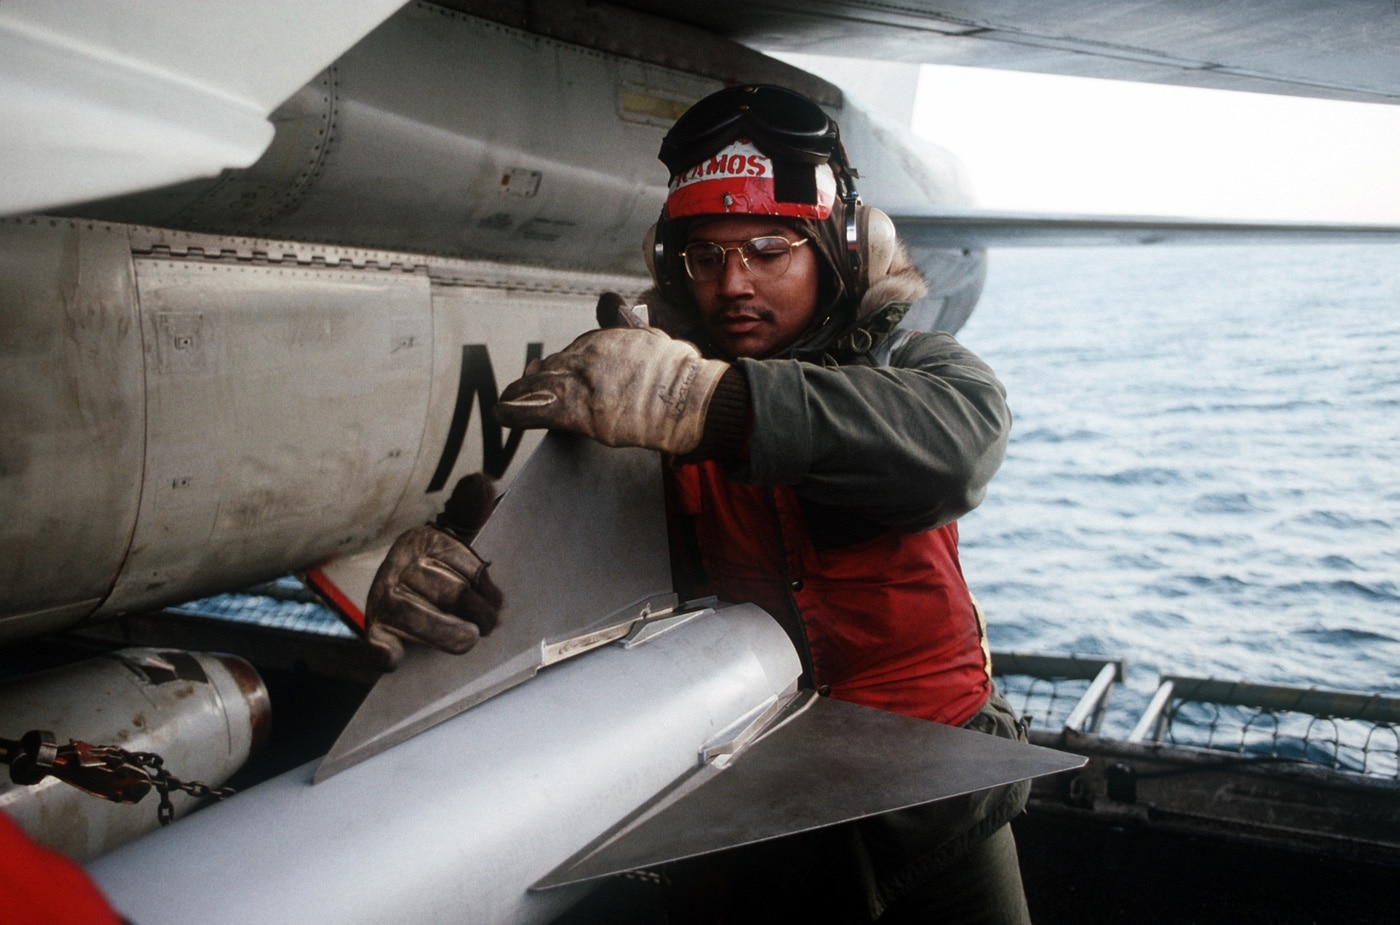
point(886, 622)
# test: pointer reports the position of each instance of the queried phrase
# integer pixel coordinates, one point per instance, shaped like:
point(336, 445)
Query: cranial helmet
point(760, 149)
point(741, 179)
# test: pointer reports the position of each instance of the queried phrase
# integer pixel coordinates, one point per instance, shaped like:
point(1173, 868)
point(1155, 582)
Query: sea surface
point(1204, 470)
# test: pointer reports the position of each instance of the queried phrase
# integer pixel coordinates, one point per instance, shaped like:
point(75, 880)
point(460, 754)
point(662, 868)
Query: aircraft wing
point(1341, 50)
point(101, 99)
point(983, 229)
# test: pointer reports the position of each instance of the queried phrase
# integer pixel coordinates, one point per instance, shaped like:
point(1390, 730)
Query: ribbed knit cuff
point(726, 420)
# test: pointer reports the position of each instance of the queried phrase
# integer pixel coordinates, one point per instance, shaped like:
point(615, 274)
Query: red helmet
point(757, 149)
point(740, 178)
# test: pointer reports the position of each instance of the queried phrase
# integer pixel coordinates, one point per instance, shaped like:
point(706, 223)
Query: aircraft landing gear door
point(286, 405)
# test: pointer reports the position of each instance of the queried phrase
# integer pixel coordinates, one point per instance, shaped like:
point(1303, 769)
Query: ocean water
point(1204, 470)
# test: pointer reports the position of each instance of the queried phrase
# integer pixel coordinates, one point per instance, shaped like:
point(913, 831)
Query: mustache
point(746, 312)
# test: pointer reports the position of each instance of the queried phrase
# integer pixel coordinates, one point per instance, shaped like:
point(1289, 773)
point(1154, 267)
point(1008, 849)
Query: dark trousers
point(808, 879)
point(981, 887)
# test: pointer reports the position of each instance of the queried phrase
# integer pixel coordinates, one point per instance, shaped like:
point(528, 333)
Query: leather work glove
point(621, 386)
point(432, 587)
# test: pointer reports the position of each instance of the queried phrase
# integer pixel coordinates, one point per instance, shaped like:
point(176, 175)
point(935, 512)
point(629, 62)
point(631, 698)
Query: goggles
point(786, 125)
point(765, 257)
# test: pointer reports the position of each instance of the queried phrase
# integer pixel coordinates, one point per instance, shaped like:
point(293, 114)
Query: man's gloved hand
point(432, 587)
point(622, 386)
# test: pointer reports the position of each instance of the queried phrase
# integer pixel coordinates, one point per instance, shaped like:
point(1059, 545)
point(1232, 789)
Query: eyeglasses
point(766, 257)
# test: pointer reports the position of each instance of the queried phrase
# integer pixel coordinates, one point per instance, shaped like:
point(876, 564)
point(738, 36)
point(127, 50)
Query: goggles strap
point(850, 199)
point(791, 183)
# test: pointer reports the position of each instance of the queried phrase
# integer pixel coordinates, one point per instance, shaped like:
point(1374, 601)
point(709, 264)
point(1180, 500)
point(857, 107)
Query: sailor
point(819, 455)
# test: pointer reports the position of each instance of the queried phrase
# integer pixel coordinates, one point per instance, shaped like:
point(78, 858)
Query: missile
point(501, 789)
point(497, 814)
point(456, 823)
point(203, 714)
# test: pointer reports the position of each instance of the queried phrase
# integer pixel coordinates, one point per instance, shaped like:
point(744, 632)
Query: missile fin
point(824, 763)
point(578, 547)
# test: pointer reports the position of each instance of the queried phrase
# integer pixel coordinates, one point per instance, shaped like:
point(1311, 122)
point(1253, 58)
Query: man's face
point(748, 315)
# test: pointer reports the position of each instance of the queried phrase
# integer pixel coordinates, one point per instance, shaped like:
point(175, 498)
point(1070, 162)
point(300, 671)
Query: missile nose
point(254, 691)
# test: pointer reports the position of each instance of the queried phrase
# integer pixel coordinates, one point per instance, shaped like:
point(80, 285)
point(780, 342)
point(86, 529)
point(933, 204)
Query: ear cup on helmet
point(661, 250)
point(877, 244)
point(662, 255)
point(649, 252)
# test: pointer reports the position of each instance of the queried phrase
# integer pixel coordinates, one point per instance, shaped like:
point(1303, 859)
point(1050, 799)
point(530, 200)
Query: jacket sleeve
point(911, 445)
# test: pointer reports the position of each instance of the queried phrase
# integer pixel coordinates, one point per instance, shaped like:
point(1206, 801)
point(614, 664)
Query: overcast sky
point(1069, 144)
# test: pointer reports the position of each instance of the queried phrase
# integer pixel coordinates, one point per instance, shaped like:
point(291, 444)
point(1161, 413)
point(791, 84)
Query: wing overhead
point(101, 99)
point(1340, 50)
point(983, 229)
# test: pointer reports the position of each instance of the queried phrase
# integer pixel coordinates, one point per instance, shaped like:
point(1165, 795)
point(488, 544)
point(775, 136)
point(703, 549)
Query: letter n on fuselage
point(477, 385)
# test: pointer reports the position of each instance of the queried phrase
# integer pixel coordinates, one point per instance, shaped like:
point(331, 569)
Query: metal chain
point(107, 771)
point(164, 782)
